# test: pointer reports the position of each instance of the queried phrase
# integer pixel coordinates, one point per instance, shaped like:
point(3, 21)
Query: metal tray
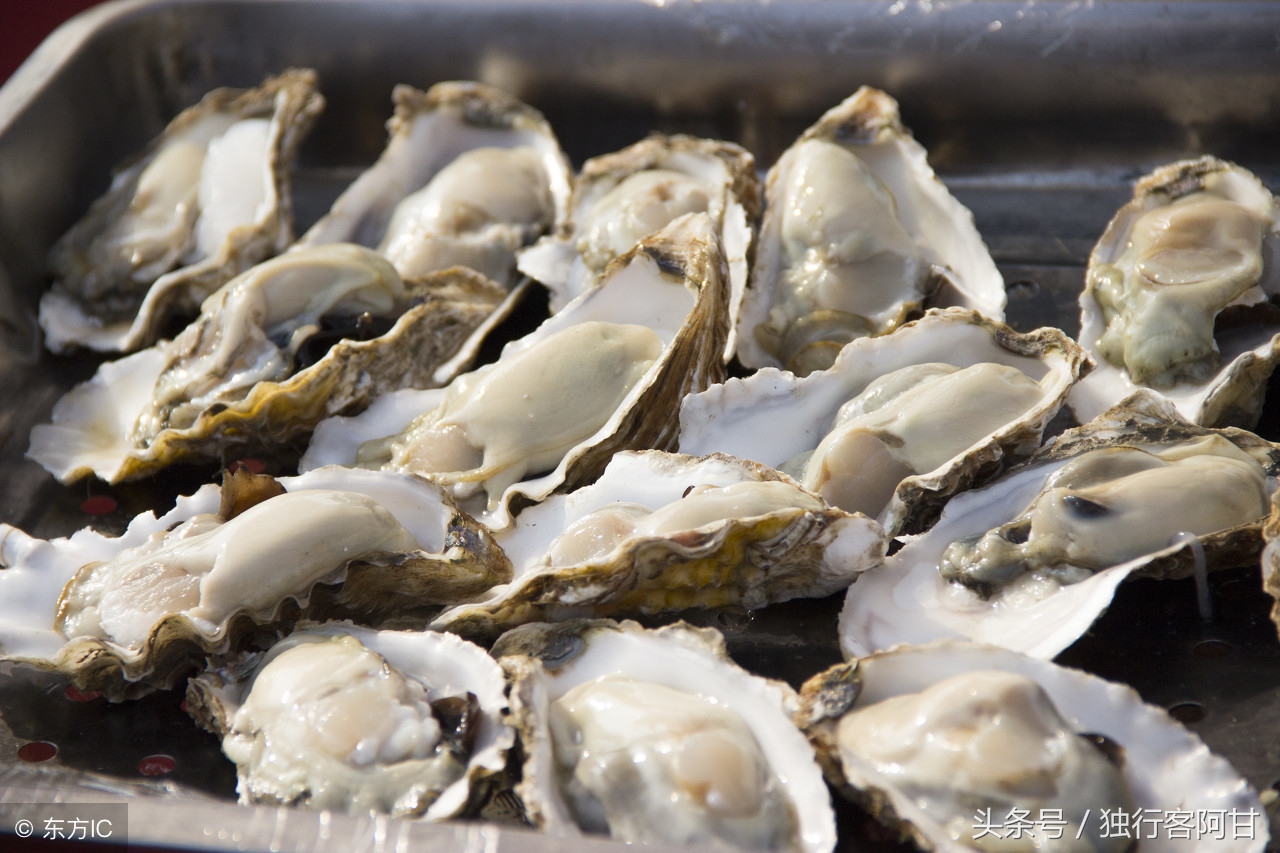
point(1038, 115)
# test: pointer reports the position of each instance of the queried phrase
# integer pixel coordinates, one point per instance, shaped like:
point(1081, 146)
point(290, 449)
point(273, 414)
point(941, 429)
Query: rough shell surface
point(906, 600)
point(141, 300)
point(1166, 766)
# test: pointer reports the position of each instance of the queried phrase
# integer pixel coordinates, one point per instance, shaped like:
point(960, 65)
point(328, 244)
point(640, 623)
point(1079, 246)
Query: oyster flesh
point(900, 422)
point(661, 532)
point(206, 200)
point(295, 339)
point(656, 736)
point(469, 176)
point(603, 375)
point(354, 720)
point(623, 197)
point(1046, 544)
point(1180, 295)
point(139, 610)
point(952, 743)
point(858, 236)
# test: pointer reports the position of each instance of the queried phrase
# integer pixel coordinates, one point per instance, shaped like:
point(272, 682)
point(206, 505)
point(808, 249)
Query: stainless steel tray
point(1038, 115)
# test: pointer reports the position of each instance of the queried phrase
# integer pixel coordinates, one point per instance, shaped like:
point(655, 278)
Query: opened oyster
point(1030, 560)
point(353, 720)
point(967, 747)
point(623, 197)
point(140, 610)
point(296, 339)
point(661, 532)
point(900, 422)
point(656, 736)
point(469, 176)
point(1180, 295)
point(206, 200)
point(858, 236)
point(603, 375)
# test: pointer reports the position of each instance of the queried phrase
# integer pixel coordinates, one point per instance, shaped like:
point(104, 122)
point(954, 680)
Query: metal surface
point(1037, 114)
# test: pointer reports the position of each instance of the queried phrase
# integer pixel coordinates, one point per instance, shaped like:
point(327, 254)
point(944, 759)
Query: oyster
point(273, 352)
point(858, 236)
point(656, 736)
point(1046, 544)
point(206, 200)
point(968, 747)
point(603, 375)
point(1180, 295)
point(661, 532)
point(620, 198)
point(136, 611)
point(469, 176)
point(353, 720)
point(900, 422)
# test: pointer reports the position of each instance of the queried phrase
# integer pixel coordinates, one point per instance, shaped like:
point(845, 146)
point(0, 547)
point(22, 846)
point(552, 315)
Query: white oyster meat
point(858, 236)
point(342, 718)
point(1030, 560)
point(952, 743)
point(900, 422)
point(605, 374)
point(1179, 295)
point(656, 736)
point(207, 199)
point(469, 175)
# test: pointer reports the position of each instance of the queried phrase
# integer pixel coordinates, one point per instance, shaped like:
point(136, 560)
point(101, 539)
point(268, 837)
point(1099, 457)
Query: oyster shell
point(1180, 295)
point(137, 611)
point(858, 236)
point(204, 201)
point(1036, 555)
point(657, 736)
point(662, 532)
point(620, 198)
point(470, 175)
point(354, 720)
point(603, 375)
point(928, 410)
point(258, 369)
point(965, 732)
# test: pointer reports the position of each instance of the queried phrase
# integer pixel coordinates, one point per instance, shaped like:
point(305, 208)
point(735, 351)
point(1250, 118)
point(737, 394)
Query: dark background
point(25, 23)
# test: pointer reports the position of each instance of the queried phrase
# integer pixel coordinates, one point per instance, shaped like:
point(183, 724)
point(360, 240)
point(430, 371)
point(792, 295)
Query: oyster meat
point(951, 742)
point(656, 736)
point(206, 200)
point(469, 176)
point(623, 197)
point(601, 376)
point(858, 236)
point(121, 614)
point(291, 341)
point(1180, 295)
point(1046, 544)
point(900, 422)
point(660, 532)
point(354, 720)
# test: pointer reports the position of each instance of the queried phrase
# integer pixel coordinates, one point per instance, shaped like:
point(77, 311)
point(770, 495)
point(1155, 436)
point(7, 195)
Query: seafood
point(206, 200)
